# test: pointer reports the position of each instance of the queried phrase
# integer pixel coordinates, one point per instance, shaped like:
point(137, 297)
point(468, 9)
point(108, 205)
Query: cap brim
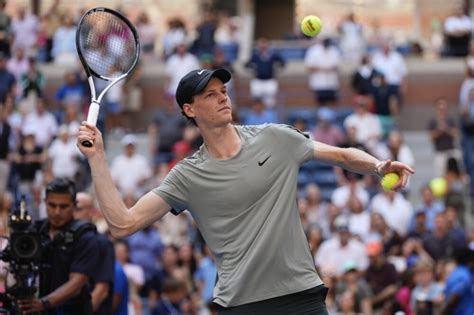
point(221, 74)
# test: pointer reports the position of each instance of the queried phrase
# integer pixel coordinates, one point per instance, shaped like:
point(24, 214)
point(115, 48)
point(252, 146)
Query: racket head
point(107, 43)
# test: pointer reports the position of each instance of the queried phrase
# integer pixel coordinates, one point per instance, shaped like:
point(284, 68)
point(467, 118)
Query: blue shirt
point(267, 116)
point(206, 273)
point(145, 250)
point(460, 282)
point(121, 288)
point(263, 64)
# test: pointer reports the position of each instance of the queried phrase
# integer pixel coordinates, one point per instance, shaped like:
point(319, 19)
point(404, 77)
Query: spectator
point(352, 281)
point(5, 29)
point(359, 218)
point(365, 79)
point(7, 80)
point(134, 273)
point(466, 108)
point(457, 32)
point(32, 82)
point(386, 106)
point(25, 26)
point(177, 65)
point(263, 62)
point(317, 207)
point(381, 276)
point(392, 65)
point(395, 149)
point(147, 33)
point(18, 65)
point(136, 165)
point(427, 294)
point(64, 43)
point(380, 230)
point(260, 115)
point(367, 125)
point(429, 206)
point(352, 185)
point(42, 123)
point(120, 291)
point(441, 243)
point(205, 275)
point(164, 131)
point(352, 41)
point(396, 210)
point(63, 155)
point(341, 248)
point(173, 37)
point(322, 61)
point(28, 160)
point(204, 42)
point(6, 136)
point(458, 292)
point(172, 298)
point(326, 130)
point(444, 134)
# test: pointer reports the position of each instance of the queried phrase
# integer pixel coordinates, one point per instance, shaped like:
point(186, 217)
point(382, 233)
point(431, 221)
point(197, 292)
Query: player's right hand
point(91, 133)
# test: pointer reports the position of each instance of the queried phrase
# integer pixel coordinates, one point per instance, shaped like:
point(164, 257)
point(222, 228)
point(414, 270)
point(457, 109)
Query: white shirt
point(392, 66)
point(405, 155)
point(397, 214)
point(359, 223)
point(367, 126)
point(128, 172)
point(64, 158)
point(177, 67)
point(25, 31)
point(44, 126)
point(332, 254)
point(341, 195)
point(318, 56)
point(458, 24)
point(466, 87)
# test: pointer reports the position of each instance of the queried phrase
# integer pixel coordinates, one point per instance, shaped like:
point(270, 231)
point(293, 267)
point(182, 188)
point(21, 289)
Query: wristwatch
point(45, 303)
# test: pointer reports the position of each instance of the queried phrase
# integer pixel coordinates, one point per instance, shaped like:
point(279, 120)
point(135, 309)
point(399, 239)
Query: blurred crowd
point(377, 251)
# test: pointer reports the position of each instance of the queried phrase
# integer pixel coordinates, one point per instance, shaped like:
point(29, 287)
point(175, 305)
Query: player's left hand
point(402, 169)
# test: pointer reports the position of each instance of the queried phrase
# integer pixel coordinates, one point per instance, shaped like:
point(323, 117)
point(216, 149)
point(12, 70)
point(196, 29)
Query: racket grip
point(92, 116)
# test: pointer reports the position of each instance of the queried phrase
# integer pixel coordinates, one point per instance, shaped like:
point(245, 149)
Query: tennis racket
point(108, 47)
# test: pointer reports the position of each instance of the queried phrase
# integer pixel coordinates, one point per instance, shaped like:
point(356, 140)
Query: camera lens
point(25, 246)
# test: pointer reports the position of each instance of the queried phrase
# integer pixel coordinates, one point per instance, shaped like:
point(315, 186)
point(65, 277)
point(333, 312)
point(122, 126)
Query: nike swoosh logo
point(263, 162)
point(200, 72)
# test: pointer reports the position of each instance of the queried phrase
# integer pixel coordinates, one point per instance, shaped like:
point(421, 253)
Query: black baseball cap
point(195, 81)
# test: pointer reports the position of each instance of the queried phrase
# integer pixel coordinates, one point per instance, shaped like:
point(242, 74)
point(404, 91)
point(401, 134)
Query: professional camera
point(22, 253)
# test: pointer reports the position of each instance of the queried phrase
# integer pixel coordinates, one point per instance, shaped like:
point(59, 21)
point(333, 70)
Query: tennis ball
point(438, 187)
point(311, 25)
point(389, 180)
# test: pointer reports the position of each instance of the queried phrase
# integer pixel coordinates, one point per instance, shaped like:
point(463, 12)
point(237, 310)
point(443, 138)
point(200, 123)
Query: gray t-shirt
point(246, 210)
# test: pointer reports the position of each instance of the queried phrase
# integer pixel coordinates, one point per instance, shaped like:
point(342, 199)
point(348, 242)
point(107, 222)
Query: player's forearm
point(111, 203)
point(358, 161)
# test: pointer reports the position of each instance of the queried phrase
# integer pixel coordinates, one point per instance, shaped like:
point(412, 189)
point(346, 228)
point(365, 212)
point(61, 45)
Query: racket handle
point(92, 116)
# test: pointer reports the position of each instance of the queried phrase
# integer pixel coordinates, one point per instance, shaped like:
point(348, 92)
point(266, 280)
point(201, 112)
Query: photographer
point(69, 257)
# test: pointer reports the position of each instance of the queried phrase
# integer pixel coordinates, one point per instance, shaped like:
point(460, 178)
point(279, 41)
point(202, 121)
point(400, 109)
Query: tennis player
point(240, 187)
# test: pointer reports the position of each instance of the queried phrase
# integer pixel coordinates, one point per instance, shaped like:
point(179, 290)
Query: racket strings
point(108, 44)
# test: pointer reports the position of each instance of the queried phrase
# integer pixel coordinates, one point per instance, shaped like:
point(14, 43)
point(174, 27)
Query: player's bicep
point(327, 153)
point(148, 209)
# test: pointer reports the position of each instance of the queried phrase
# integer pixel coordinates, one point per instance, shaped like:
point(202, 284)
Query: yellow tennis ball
point(311, 25)
point(439, 187)
point(389, 180)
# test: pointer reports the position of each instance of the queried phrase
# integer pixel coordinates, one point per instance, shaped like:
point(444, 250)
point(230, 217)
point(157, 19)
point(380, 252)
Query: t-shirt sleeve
point(86, 255)
point(173, 190)
point(294, 142)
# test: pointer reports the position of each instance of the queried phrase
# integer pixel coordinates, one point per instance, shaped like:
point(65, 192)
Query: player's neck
point(222, 143)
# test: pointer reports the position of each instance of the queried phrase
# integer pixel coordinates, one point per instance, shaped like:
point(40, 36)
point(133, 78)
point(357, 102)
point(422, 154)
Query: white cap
point(129, 139)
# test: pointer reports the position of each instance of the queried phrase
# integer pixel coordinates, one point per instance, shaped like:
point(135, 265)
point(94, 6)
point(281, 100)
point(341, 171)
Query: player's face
point(60, 209)
point(212, 107)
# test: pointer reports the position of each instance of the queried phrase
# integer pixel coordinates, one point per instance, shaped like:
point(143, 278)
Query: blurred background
point(392, 77)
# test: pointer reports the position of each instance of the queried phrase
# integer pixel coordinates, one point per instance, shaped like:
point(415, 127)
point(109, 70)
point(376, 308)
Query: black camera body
point(23, 254)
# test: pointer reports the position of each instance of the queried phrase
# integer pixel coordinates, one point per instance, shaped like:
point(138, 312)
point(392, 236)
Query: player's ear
point(188, 110)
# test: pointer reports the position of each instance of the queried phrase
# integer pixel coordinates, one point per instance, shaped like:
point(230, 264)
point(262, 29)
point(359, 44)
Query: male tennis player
point(240, 187)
